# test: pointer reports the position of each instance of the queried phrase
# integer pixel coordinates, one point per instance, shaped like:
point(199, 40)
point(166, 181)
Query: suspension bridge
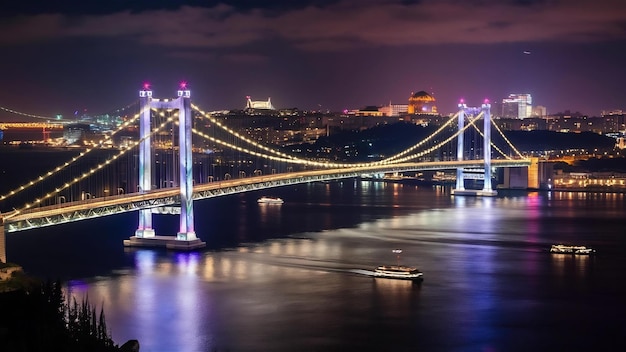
point(163, 156)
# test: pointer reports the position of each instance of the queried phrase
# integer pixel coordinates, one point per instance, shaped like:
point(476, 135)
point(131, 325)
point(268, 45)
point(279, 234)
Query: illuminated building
point(394, 109)
point(517, 106)
point(421, 103)
point(258, 104)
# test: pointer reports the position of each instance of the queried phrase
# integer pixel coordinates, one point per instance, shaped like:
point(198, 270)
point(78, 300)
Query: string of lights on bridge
point(505, 139)
point(287, 157)
point(295, 160)
point(300, 161)
point(69, 163)
point(92, 170)
point(56, 118)
point(25, 114)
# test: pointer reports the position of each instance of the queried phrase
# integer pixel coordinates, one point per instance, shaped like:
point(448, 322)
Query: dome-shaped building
point(421, 103)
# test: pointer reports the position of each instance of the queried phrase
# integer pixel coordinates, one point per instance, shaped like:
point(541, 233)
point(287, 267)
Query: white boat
point(398, 272)
point(270, 200)
point(564, 249)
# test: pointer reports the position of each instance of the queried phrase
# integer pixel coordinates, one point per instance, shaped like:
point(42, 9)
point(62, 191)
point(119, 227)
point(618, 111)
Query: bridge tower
point(460, 172)
point(460, 185)
point(145, 234)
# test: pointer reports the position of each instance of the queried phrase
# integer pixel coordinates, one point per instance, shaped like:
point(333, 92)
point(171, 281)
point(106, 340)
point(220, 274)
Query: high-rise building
point(517, 106)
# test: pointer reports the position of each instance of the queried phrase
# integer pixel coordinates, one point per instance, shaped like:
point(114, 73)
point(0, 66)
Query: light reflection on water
point(489, 281)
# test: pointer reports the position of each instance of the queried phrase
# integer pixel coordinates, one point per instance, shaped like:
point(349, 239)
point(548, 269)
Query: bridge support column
point(460, 184)
point(145, 230)
point(186, 231)
point(487, 188)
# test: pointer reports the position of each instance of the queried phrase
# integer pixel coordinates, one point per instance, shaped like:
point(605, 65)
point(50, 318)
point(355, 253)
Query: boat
point(398, 272)
point(270, 200)
point(565, 249)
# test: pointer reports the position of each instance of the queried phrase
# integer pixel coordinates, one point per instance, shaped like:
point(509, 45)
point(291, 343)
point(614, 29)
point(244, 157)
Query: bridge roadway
point(96, 207)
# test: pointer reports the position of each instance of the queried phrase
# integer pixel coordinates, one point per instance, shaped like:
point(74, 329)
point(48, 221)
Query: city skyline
point(320, 54)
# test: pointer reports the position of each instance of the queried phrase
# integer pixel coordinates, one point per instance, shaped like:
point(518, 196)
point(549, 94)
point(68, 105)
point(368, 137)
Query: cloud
point(342, 25)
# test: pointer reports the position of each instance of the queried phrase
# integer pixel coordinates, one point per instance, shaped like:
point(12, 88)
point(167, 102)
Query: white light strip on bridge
point(445, 125)
point(295, 160)
point(25, 114)
point(92, 170)
point(67, 164)
point(507, 140)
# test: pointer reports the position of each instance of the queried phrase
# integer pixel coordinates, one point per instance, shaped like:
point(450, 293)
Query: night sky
point(67, 55)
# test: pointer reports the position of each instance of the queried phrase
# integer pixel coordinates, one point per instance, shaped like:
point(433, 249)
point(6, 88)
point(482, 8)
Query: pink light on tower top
point(146, 86)
point(183, 85)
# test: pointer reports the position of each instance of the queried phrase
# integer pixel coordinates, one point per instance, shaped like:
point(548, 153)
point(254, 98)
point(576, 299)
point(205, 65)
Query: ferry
point(564, 249)
point(270, 200)
point(398, 272)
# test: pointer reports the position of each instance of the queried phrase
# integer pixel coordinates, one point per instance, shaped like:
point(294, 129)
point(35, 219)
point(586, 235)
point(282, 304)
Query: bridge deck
point(97, 207)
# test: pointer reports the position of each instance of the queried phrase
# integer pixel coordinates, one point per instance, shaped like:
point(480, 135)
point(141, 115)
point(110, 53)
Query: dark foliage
point(601, 164)
point(41, 319)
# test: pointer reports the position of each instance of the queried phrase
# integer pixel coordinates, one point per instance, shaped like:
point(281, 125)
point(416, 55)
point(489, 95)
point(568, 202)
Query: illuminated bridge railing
point(111, 205)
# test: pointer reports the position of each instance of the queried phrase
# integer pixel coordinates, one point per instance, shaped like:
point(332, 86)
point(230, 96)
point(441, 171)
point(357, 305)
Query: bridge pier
point(145, 235)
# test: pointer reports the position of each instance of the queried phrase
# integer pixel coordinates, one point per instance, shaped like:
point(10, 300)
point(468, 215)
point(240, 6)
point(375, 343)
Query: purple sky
point(66, 55)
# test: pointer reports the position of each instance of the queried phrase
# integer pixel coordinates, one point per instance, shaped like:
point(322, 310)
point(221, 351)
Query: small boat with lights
point(564, 249)
point(398, 272)
point(270, 200)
